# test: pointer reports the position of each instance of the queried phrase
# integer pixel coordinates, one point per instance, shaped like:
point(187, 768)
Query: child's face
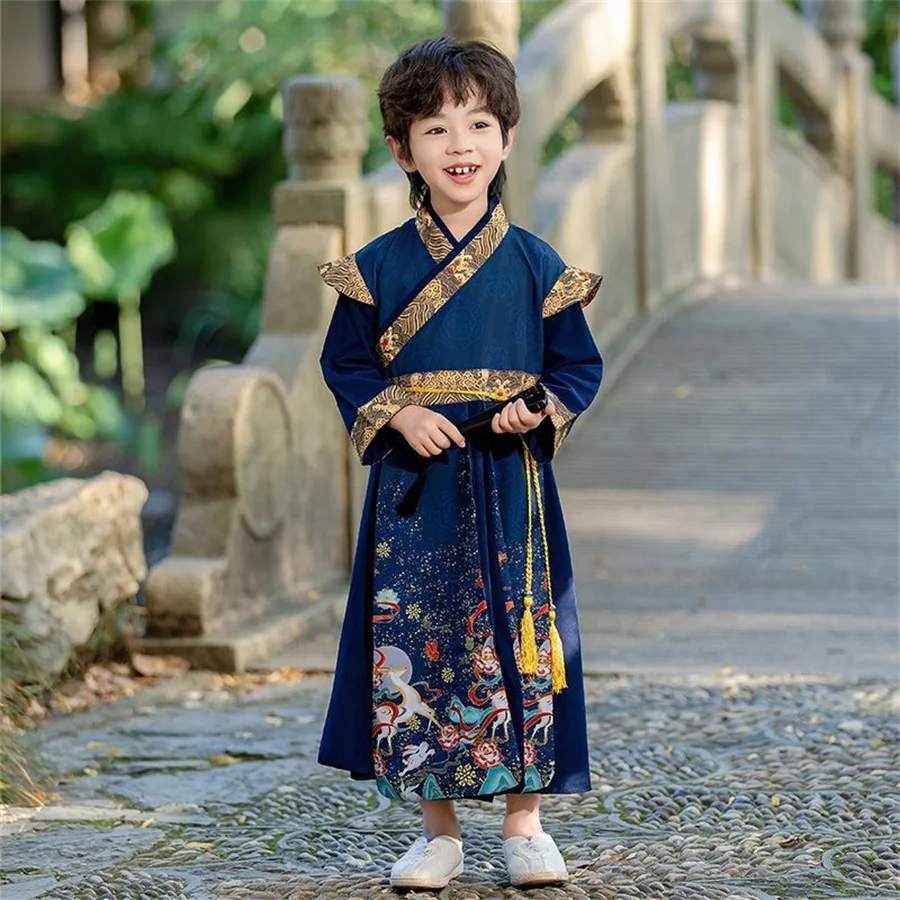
point(457, 137)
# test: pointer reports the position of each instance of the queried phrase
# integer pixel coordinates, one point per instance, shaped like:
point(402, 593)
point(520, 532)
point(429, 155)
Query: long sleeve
point(572, 371)
point(366, 400)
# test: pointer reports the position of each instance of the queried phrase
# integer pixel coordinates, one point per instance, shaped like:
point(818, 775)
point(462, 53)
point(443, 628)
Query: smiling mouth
point(461, 171)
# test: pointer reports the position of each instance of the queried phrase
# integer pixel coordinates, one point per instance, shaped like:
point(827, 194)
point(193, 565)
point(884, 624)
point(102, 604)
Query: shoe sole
point(540, 878)
point(425, 883)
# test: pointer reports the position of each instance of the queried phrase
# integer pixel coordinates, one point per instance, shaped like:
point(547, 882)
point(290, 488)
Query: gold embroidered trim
point(574, 285)
point(375, 414)
point(443, 286)
point(344, 276)
point(436, 242)
point(451, 385)
point(561, 420)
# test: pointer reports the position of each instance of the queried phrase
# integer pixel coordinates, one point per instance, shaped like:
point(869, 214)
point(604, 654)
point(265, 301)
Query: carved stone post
point(649, 150)
point(494, 21)
point(325, 139)
point(262, 538)
point(762, 123)
point(716, 61)
point(840, 22)
point(842, 25)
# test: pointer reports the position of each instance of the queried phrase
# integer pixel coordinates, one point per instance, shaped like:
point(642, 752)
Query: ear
point(397, 153)
point(509, 143)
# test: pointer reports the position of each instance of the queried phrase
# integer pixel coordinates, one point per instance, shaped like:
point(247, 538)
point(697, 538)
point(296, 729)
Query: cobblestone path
point(726, 788)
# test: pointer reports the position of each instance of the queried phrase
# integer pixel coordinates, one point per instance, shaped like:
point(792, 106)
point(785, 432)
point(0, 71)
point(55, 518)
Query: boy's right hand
point(427, 432)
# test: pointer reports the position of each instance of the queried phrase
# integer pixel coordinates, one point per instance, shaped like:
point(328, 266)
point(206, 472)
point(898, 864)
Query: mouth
point(462, 174)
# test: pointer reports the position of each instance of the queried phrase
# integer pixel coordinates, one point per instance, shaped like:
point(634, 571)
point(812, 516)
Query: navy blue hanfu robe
point(429, 695)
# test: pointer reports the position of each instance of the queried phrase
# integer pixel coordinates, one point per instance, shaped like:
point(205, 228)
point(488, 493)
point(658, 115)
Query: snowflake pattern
point(383, 550)
point(414, 610)
point(465, 775)
point(448, 674)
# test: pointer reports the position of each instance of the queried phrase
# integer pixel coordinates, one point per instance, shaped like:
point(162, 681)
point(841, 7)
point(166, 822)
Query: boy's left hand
point(517, 418)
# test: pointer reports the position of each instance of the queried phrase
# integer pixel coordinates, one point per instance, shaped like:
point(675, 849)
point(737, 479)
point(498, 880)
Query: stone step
point(257, 646)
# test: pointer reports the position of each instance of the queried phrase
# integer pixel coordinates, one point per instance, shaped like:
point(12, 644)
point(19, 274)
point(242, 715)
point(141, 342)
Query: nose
point(460, 142)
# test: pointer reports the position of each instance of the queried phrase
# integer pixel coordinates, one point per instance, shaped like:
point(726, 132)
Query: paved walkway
point(734, 500)
point(733, 508)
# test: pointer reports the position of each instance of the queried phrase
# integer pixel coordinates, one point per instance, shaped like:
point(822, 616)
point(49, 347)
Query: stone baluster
point(266, 514)
point(840, 22)
point(717, 61)
point(325, 139)
point(842, 25)
point(762, 95)
point(494, 21)
point(650, 91)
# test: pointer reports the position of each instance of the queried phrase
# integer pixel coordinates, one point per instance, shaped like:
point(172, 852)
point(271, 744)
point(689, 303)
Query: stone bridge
point(729, 487)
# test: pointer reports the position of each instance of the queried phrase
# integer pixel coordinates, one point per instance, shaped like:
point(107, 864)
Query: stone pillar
point(650, 151)
point(716, 61)
point(840, 22)
point(324, 128)
point(325, 139)
point(842, 25)
point(762, 83)
point(494, 21)
point(263, 535)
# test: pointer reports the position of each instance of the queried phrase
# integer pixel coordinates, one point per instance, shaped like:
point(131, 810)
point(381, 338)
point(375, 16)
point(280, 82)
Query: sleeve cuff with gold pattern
point(374, 415)
point(545, 440)
point(344, 276)
point(561, 420)
point(574, 285)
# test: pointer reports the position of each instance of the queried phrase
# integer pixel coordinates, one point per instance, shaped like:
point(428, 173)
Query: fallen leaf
point(224, 759)
point(159, 666)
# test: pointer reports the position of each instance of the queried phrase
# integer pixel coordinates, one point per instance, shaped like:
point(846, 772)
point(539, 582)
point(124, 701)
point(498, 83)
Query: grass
point(26, 692)
point(21, 770)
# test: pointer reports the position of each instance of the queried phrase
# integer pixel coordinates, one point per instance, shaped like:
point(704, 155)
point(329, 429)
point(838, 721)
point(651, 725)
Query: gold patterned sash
point(443, 286)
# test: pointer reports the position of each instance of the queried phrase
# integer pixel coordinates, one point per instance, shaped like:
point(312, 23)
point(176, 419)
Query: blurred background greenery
point(135, 202)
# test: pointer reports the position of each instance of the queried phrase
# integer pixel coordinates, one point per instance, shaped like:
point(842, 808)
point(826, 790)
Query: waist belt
point(527, 641)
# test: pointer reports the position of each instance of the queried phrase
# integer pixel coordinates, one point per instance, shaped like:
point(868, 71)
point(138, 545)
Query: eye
point(482, 125)
point(434, 130)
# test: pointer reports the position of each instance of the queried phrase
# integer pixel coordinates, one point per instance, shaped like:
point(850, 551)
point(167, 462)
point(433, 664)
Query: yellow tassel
point(527, 643)
point(558, 660)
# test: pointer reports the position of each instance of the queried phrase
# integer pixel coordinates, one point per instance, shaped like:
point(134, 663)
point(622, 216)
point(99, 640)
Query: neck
point(460, 219)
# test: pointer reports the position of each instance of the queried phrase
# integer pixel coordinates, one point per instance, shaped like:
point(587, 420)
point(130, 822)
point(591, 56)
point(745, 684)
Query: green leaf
point(26, 397)
point(52, 357)
point(37, 283)
point(118, 247)
point(106, 410)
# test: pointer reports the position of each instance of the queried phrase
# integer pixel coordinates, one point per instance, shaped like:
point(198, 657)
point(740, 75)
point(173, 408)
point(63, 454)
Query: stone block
point(70, 550)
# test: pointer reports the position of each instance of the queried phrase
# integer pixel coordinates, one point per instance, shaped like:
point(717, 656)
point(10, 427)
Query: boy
point(459, 666)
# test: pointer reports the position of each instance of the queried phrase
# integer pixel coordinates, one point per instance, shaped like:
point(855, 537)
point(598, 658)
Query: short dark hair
point(430, 73)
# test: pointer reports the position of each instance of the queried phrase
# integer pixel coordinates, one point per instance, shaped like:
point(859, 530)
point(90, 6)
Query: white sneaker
point(535, 860)
point(429, 864)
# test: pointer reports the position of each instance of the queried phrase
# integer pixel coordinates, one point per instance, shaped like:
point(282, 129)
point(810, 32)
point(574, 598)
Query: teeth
point(462, 170)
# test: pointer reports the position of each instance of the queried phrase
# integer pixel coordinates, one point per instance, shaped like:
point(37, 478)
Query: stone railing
point(659, 196)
